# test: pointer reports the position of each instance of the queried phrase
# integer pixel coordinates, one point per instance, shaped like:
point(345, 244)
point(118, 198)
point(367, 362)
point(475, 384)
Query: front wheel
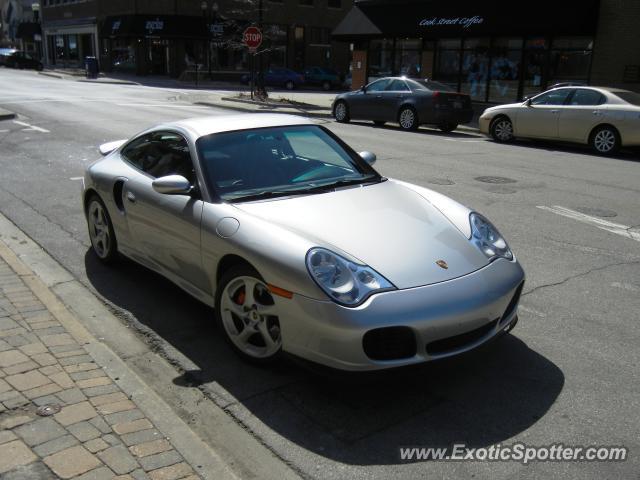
point(448, 127)
point(246, 312)
point(502, 130)
point(341, 112)
point(101, 233)
point(605, 140)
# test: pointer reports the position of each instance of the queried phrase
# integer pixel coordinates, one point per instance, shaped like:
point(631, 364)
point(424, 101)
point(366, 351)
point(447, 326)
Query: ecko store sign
point(464, 22)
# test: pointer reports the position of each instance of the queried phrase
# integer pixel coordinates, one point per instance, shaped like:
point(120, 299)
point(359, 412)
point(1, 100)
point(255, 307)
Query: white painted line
point(532, 311)
point(626, 286)
point(617, 228)
point(4, 131)
point(76, 178)
point(31, 127)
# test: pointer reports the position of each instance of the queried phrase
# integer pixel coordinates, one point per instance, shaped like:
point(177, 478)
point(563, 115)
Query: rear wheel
point(408, 118)
point(341, 112)
point(246, 312)
point(605, 140)
point(501, 130)
point(101, 233)
point(448, 127)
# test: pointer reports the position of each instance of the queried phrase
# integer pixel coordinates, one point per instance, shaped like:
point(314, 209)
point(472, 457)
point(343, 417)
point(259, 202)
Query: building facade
point(169, 37)
point(496, 52)
point(20, 26)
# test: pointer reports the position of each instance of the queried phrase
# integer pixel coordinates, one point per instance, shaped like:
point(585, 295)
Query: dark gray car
point(409, 102)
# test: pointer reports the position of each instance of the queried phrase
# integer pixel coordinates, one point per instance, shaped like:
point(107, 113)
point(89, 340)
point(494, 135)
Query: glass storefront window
point(407, 57)
point(570, 59)
point(448, 62)
point(504, 74)
point(380, 58)
point(475, 68)
point(276, 43)
point(535, 60)
point(73, 47)
point(124, 54)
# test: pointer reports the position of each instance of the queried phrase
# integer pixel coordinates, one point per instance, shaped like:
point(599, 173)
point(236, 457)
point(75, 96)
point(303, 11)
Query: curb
point(52, 75)
point(202, 459)
point(6, 114)
point(125, 357)
point(265, 110)
point(110, 82)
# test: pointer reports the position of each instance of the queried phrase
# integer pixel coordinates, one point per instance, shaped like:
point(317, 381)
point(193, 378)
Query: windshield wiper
point(324, 188)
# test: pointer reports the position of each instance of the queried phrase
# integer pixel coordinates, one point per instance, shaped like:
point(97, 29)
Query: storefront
point(68, 42)
point(152, 44)
point(495, 51)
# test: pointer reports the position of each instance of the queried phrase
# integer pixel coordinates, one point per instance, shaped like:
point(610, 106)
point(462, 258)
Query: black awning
point(165, 26)
point(456, 18)
point(28, 30)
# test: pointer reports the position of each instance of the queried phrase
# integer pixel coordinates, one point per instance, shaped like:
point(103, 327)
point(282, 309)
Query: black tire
point(289, 85)
point(501, 129)
point(408, 119)
point(448, 127)
point(379, 123)
point(605, 140)
point(341, 112)
point(229, 276)
point(326, 86)
point(107, 253)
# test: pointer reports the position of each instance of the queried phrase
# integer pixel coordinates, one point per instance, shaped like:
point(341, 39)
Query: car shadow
point(423, 130)
point(626, 154)
point(480, 399)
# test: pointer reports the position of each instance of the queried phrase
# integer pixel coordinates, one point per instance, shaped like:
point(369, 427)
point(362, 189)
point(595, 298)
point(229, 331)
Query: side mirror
point(527, 101)
point(172, 185)
point(363, 89)
point(368, 157)
point(107, 148)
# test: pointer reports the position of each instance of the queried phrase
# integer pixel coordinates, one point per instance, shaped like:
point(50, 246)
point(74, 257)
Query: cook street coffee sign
point(464, 22)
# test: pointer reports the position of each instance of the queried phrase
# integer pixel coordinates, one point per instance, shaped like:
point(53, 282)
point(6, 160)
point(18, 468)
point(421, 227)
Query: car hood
point(387, 226)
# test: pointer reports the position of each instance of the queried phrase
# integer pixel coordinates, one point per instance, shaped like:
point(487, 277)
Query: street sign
point(252, 38)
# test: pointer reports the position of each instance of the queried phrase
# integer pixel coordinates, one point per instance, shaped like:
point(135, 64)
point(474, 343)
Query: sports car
point(300, 245)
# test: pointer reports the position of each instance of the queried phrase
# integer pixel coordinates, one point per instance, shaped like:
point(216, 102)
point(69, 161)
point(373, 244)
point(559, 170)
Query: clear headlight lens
point(345, 282)
point(487, 238)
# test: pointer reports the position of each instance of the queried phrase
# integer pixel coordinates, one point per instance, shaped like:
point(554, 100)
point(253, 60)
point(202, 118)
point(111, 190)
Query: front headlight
point(345, 282)
point(487, 238)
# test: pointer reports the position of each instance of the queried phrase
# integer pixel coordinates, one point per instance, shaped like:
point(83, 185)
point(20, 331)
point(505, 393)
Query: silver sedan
point(299, 245)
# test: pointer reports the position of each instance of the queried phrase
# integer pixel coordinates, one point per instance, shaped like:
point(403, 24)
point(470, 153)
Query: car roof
point(201, 126)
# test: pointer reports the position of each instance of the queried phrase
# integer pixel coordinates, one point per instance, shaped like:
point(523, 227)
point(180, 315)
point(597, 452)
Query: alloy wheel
point(99, 230)
point(407, 119)
point(341, 112)
point(249, 317)
point(605, 141)
point(503, 130)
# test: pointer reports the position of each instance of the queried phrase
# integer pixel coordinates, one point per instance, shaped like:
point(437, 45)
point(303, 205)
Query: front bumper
point(445, 319)
point(484, 122)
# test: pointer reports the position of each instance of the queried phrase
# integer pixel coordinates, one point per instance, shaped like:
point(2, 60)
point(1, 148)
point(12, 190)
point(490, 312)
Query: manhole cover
point(441, 181)
point(495, 180)
point(597, 212)
point(504, 190)
point(48, 410)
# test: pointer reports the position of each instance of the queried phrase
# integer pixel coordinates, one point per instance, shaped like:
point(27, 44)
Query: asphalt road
point(569, 373)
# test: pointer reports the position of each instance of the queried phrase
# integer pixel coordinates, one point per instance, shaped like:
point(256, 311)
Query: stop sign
point(252, 37)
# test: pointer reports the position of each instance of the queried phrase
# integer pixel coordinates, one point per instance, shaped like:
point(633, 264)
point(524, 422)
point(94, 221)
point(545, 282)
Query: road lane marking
point(626, 286)
point(31, 127)
point(4, 131)
point(617, 228)
point(159, 105)
point(532, 311)
point(76, 178)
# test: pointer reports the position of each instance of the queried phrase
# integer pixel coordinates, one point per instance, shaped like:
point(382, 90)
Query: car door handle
point(131, 197)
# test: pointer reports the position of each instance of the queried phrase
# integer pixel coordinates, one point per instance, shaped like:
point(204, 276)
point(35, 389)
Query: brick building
point(167, 37)
point(495, 51)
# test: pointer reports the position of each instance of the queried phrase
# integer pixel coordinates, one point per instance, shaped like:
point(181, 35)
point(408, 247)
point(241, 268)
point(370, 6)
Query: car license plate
point(457, 104)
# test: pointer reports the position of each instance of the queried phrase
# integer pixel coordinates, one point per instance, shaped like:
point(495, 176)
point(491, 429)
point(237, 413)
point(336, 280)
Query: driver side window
point(554, 97)
point(161, 153)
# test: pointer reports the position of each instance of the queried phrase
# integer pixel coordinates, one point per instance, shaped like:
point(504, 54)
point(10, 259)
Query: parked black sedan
point(22, 60)
point(409, 102)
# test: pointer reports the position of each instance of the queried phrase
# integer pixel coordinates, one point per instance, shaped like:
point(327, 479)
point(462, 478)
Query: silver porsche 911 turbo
point(299, 245)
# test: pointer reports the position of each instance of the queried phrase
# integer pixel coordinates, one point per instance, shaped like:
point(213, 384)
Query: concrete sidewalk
point(70, 408)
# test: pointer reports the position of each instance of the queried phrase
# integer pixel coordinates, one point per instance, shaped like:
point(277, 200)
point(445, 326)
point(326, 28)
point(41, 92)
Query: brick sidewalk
point(98, 433)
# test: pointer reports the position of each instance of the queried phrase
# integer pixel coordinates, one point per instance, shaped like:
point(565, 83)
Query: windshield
point(428, 85)
point(279, 161)
point(629, 97)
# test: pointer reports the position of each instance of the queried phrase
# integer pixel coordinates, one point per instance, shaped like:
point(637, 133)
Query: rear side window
point(586, 97)
point(378, 86)
point(159, 154)
point(397, 86)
